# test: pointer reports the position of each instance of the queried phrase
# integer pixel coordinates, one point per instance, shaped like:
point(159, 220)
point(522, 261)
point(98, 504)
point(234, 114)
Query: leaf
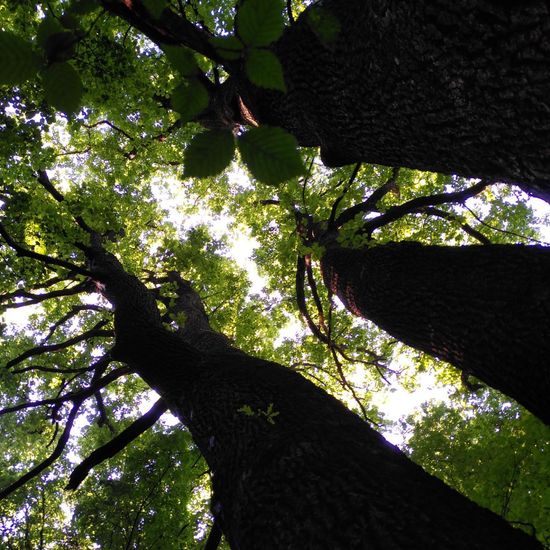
point(271, 154)
point(63, 87)
point(189, 99)
point(264, 69)
point(155, 7)
point(19, 62)
point(181, 59)
point(260, 22)
point(209, 153)
point(324, 24)
point(229, 47)
point(47, 27)
point(82, 7)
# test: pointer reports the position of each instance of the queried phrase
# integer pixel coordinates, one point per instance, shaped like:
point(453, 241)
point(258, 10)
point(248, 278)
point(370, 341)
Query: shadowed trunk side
point(291, 466)
point(484, 309)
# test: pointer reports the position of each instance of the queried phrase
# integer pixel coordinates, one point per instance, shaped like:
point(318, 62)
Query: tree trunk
point(452, 87)
point(484, 309)
point(292, 467)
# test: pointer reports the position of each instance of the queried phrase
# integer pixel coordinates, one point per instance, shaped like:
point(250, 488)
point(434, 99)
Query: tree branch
point(467, 228)
point(95, 332)
point(51, 459)
point(48, 260)
point(396, 212)
point(370, 204)
point(73, 396)
point(116, 444)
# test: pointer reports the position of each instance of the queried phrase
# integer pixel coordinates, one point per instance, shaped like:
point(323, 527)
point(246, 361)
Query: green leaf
point(209, 153)
point(264, 69)
point(48, 26)
point(229, 47)
point(19, 62)
point(324, 24)
point(189, 99)
point(82, 7)
point(181, 59)
point(271, 154)
point(155, 7)
point(260, 22)
point(63, 87)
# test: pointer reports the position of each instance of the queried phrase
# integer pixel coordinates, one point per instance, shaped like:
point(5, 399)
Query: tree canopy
point(185, 170)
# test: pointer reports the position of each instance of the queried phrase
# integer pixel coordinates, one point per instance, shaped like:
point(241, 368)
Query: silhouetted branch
point(75, 310)
point(48, 260)
point(396, 212)
point(44, 180)
point(116, 444)
point(467, 228)
point(80, 395)
point(334, 209)
point(370, 204)
point(39, 350)
point(33, 299)
point(214, 537)
point(51, 459)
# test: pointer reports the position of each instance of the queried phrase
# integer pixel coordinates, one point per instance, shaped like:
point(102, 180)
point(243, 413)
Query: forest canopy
point(176, 188)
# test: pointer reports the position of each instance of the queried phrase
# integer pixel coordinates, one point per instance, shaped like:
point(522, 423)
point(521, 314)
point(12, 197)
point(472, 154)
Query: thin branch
point(95, 332)
point(301, 300)
point(75, 310)
point(73, 396)
point(214, 537)
point(289, 11)
point(48, 260)
point(38, 298)
point(44, 180)
point(334, 209)
point(116, 444)
point(507, 232)
point(111, 125)
point(370, 204)
point(62, 442)
point(467, 228)
point(396, 212)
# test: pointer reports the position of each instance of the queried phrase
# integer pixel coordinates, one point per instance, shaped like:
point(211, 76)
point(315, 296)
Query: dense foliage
point(103, 129)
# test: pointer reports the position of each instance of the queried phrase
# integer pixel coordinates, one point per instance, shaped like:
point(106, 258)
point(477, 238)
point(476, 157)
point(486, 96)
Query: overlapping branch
point(116, 444)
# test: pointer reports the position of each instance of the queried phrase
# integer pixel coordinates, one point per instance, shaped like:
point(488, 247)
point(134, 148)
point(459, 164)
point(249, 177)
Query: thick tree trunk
point(292, 467)
point(450, 86)
point(484, 309)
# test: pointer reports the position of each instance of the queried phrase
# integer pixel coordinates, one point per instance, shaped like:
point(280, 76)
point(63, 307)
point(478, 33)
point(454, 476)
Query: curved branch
point(51, 459)
point(396, 212)
point(38, 298)
point(74, 396)
point(467, 228)
point(40, 350)
point(48, 260)
point(116, 444)
point(370, 204)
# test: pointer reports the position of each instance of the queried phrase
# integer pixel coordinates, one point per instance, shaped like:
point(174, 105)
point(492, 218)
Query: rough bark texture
point(485, 309)
point(450, 86)
point(314, 475)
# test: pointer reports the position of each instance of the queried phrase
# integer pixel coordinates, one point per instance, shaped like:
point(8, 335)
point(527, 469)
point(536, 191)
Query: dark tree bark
point(450, 86)
point(291, 466)
point(484, 309)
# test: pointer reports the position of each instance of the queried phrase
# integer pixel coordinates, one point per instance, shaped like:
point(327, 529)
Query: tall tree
point(291, 466)
point(450, 87)
point(484, 309)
